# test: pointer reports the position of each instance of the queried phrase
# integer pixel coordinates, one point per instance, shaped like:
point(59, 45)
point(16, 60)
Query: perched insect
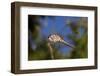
point(54, 38)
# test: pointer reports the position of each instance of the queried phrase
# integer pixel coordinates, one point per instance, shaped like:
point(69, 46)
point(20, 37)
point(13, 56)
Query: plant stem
point(51, 51)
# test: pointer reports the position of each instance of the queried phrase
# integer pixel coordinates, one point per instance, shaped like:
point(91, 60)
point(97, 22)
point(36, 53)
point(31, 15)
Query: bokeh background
point(72, 29)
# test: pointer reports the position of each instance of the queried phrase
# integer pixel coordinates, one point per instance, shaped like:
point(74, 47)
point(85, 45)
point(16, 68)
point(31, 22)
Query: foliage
point(79, 40)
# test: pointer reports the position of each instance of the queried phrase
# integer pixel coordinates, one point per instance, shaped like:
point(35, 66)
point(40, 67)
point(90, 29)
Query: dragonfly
point(54, 38)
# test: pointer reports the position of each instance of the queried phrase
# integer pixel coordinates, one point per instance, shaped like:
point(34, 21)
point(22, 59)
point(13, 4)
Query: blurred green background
point(72, 29)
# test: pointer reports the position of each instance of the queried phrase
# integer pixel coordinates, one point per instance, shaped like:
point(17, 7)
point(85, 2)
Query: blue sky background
point(57, 25)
